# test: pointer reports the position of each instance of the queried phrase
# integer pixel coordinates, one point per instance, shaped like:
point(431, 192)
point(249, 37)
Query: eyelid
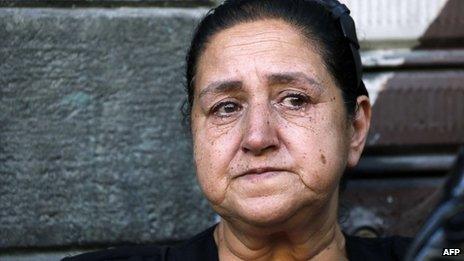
point(292, 94)
point(295, 93)
point(213, 103)
point(308, 90)
point(215, 108)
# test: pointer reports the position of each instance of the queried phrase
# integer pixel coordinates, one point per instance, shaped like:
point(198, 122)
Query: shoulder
point(384, 248)
point(199, 247)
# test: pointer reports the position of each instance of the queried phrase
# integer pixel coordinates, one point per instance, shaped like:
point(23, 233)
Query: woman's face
point(270, 130)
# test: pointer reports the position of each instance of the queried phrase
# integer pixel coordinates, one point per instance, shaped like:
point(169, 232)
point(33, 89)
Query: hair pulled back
point(310, 18)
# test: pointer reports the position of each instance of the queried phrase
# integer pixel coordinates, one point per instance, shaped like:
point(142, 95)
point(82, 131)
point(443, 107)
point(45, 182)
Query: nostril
point(259, 141)
point(259, 151)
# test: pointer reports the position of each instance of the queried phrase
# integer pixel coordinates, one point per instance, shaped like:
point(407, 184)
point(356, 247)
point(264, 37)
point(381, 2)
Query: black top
point(203, 247)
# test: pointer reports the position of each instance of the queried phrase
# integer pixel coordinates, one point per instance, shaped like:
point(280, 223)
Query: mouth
point(265, 171)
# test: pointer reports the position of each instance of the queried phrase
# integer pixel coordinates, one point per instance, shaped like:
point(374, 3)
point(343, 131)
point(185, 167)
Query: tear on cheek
point(323, 159)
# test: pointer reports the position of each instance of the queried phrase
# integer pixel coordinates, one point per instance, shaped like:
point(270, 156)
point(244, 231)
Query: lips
point(258, 171)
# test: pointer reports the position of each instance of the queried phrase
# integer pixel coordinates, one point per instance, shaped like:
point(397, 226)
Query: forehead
point(261, 33)
point(262, 48)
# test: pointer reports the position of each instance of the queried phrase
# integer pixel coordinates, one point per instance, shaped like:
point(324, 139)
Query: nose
point(260, 133)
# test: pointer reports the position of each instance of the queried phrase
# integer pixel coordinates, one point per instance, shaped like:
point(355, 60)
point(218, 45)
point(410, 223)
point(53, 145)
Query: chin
point(266, 211)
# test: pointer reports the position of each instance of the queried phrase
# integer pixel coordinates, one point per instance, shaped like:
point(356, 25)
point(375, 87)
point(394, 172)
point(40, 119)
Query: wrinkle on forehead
point(264, 40)
point(241, 36)
point(255, 39)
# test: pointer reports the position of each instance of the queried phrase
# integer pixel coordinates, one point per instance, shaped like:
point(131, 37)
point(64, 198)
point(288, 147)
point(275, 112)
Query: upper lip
point(260, 170)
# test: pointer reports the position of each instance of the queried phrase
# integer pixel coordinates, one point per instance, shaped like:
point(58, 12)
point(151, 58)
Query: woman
point(278, 111)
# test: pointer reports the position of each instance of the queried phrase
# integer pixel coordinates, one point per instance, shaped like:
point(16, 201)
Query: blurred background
point(92, 149)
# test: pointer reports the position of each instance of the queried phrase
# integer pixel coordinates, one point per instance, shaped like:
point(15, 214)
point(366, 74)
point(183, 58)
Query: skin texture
point(271, 141)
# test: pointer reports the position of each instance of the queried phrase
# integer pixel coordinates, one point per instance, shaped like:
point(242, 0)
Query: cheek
point(322, 158)
point(212, 155)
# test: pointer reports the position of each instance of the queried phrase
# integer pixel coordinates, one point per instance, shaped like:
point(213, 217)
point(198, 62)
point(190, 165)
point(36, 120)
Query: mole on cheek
point(324, 161)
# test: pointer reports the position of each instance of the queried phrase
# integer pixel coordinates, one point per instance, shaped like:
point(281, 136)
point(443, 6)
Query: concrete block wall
point(92, 149)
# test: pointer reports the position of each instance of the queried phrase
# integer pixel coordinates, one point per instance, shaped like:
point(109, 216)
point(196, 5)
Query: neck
point(304, 236)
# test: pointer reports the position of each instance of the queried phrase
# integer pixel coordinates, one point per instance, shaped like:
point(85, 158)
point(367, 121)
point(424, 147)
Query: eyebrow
point(272, 79)
point(293, 78)
point(222, 86)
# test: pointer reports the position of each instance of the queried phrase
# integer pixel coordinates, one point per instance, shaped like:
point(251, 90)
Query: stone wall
point(92, 149)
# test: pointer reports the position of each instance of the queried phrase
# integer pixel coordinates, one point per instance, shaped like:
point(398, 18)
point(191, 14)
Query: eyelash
point(301, 96)
point(215, 109)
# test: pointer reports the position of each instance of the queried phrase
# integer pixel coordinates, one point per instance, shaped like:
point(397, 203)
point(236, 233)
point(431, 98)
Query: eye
point(295, 101)
point(226, 109)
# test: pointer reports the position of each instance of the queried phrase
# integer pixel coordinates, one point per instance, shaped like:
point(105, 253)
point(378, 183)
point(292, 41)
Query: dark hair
point(312, 19)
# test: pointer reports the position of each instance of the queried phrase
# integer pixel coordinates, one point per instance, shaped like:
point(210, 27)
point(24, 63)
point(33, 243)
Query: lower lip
point(261, 176)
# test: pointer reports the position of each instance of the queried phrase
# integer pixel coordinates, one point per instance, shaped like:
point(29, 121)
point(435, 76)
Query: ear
point(359, 128)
